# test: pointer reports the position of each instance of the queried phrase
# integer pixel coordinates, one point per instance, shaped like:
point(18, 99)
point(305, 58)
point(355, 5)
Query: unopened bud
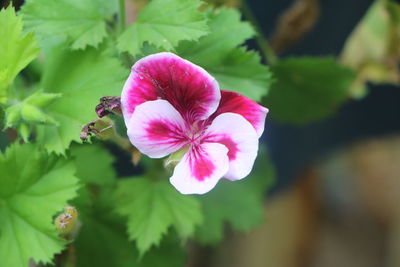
point(66, 221)
point(102, 128)
point(136, 156)
point(175, 158)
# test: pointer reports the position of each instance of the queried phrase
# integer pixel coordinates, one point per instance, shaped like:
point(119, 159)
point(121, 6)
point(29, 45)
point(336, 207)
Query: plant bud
point(175, 157)
point(66, 221)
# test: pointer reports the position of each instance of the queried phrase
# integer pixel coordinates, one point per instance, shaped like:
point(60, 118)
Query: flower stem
point(262, 42)
point(121, 5)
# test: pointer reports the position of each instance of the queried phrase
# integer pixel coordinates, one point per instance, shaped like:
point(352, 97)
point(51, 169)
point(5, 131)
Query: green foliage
point(227, 32)
point(102, 240)
point(41, 99)
point(152, 208)
point(29, 111)
point(17, 49)
point(234, 68)
point(307, 89)
point(93, 164)
point(163, 23)
point(242, 72)
point(34, 186)
point(80, 23)
point(239, 203)
point(82, 77)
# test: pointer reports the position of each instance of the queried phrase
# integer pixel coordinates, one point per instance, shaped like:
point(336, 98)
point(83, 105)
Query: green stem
point(262, 42)
point(121, 5)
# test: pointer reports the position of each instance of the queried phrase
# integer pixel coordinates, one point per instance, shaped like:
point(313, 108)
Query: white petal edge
point(236, 128)
point(156, 143)
point(124, 99)
point(184, 180)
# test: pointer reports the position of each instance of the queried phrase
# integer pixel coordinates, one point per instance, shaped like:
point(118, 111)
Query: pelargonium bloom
point(170, 104)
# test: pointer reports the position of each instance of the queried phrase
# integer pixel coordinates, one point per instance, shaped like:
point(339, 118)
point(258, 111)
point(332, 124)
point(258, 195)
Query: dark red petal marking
point(189, 88)
point(237, 134)
point(201, 168)
point(249, 109)
point(157, 129)
point(200, 164)
point(164, 132)
point(140, 91)
point(228, 142)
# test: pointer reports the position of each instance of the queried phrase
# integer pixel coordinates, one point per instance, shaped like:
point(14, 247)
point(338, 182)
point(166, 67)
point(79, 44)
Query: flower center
point(196, 133)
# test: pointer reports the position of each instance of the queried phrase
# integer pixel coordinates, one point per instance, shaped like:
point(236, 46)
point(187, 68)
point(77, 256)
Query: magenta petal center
point(202, 167)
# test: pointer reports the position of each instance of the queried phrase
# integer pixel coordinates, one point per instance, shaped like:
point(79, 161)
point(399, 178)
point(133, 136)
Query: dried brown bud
point(108, 105)
point(88, 130)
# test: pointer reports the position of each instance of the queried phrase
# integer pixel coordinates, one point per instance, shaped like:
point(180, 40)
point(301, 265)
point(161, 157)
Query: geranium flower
point(170, 104)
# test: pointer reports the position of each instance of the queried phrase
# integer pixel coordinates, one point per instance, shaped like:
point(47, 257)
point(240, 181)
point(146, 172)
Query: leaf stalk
point(266, 50)
point(121, 15)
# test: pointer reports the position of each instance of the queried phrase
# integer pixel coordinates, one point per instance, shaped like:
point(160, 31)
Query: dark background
point(293, 148)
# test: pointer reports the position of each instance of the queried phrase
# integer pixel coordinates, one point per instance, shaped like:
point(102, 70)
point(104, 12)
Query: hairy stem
point(121, 15)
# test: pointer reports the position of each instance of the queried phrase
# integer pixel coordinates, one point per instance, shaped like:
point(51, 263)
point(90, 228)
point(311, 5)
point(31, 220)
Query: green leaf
point(164, 23)
point(240, 203)
point(12, 115)
point(102, 227)
point(81, 23)
point(27, 112)
point(241, 71)
point(93, 164)
point(33, 187)
point(17, 49)
point(227, 32)
point(41, 99)
point(154, 206)
point(233, 67)
point(24, 131)
point(308, 89)
point(82, 77)
point(31, 113)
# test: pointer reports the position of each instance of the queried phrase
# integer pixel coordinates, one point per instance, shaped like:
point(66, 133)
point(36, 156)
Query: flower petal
point(188, 87)
point(157, 129)
point(239, 136)
point(200, 169)
point(249, 109)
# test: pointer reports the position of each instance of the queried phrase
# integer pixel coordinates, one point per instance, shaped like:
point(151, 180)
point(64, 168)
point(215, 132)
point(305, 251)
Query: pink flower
point(171, 104)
